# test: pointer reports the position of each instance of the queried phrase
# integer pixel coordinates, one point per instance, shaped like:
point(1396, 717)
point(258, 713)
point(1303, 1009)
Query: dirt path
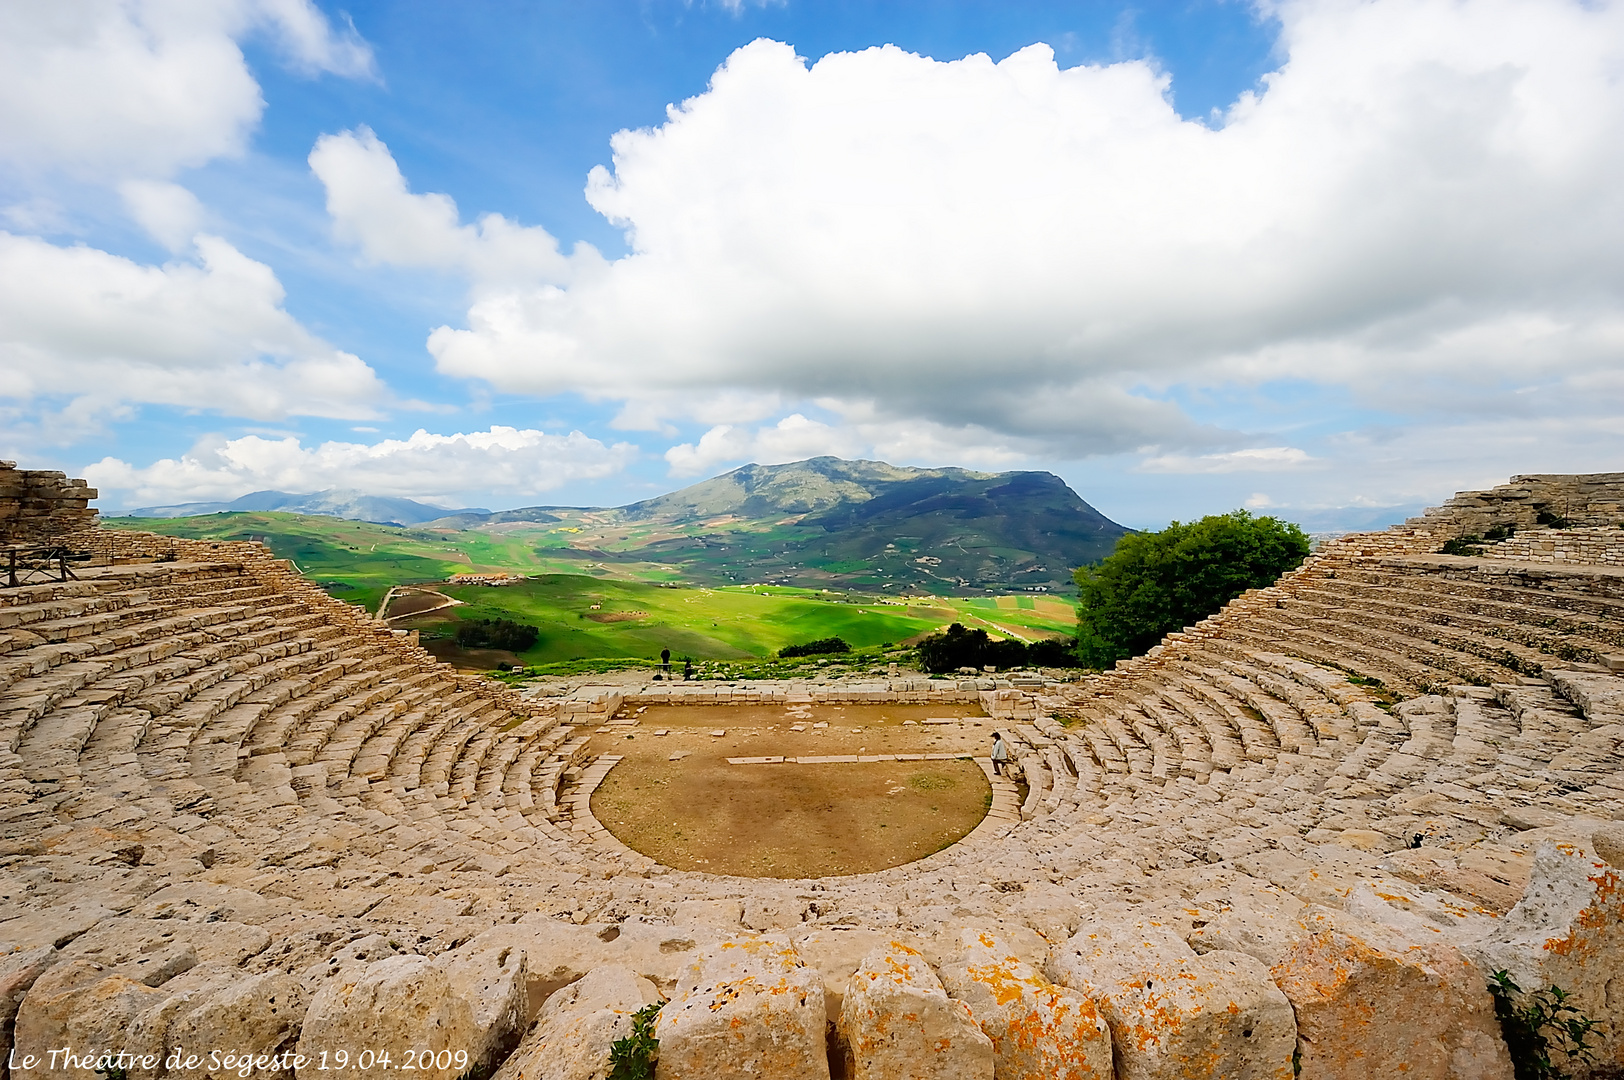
point(403, 602)
point(791, 820)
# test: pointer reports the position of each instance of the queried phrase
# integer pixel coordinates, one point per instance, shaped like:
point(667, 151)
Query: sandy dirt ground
point(676, 798)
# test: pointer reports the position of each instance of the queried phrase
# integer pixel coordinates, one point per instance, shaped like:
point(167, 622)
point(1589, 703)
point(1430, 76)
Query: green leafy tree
point(1158, 582)
point(815, 648)
point(497, 634)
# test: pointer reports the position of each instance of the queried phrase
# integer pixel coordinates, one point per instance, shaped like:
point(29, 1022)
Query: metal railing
point(38, 564)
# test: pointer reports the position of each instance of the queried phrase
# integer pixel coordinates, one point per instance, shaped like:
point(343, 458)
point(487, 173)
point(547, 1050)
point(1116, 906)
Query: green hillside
point(581, 617)
point(355, 561)
point(359, 562)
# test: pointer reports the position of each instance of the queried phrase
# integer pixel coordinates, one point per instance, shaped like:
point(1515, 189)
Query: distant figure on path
point(665, 660)
point(1000, 753)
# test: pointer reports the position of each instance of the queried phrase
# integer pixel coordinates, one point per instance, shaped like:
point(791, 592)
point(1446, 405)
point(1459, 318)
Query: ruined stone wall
point(1602, 546)
point(1586, 500)
point(40, 507)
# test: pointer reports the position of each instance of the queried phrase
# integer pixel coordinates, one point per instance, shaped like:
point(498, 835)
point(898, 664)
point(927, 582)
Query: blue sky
point(1332, 260)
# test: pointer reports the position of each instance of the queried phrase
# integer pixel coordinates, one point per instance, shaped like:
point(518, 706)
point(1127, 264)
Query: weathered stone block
point(1174, 1014)
point(1039, 1031)
point(1370, 1002)
point(1609, 844)
point(899, 1023)
point(747, 1007)
point(77, 1005)
point(837, 954)
point(1567, 931)
point(259, 1016)
point(571, 1038)
point(18, 972)
point(495, 983)
point(403, 1006)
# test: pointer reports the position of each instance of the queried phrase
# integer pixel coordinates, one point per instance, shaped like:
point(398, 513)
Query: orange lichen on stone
point(1173, 1013)
point(748, 1008)
point(1038, 1029)
point(1370, 1003)
point(900, 1024)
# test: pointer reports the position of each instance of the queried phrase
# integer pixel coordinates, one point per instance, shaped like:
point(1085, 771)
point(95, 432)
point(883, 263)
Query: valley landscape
point(731, 568)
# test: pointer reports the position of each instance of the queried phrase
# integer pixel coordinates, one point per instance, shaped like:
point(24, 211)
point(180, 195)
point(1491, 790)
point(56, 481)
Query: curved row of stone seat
point(252, 692)
point(1266, 700)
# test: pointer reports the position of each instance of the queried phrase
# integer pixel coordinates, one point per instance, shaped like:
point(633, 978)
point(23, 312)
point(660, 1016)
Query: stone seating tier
point(234, 809)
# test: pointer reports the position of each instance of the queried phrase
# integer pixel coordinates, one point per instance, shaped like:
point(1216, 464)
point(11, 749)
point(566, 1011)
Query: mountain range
point(335, 502)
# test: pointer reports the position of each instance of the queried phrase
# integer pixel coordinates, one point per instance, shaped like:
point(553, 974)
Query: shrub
point(959, 647)
point(1462, 545)
point(497, 634)
point(1536, 1022)
point(815, 648)
point(1053, 652)
point(634, 1057)
point(1158, 582)
point(955, 648)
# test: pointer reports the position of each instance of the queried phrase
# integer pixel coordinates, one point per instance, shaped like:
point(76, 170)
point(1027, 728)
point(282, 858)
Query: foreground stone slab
point(571, 1038)
point(258, 1016)
point(80, 1005)
point(1370, 1003)
point(1370, 998)
point(558, 953)
point(899, 1023)
point(1039, 1031)
point(748, 1008)
point(1567, 931)
point(18, 972)
point(494, 982)
point(403, 1007)
point(1174, 1014)
point(837, 954)
point(1609, 843)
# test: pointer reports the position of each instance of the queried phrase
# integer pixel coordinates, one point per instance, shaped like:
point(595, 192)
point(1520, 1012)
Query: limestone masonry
point(246, 830)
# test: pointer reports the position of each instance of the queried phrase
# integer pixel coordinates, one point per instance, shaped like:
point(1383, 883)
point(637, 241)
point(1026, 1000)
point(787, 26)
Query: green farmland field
point(582, 617)
point(358, 561)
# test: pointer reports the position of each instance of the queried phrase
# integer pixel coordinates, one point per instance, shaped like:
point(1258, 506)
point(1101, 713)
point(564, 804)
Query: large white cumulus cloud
point(501, 460)
point(145, 87)
point(124, 94)
point(373, 209)
point(1421, 205)
point(103, 333)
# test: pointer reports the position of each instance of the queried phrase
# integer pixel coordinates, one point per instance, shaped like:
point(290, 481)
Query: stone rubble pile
point(1528, 503)
point(240, 818)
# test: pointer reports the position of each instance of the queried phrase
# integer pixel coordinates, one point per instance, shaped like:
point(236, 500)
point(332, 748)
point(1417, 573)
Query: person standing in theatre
point(1000, 753)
